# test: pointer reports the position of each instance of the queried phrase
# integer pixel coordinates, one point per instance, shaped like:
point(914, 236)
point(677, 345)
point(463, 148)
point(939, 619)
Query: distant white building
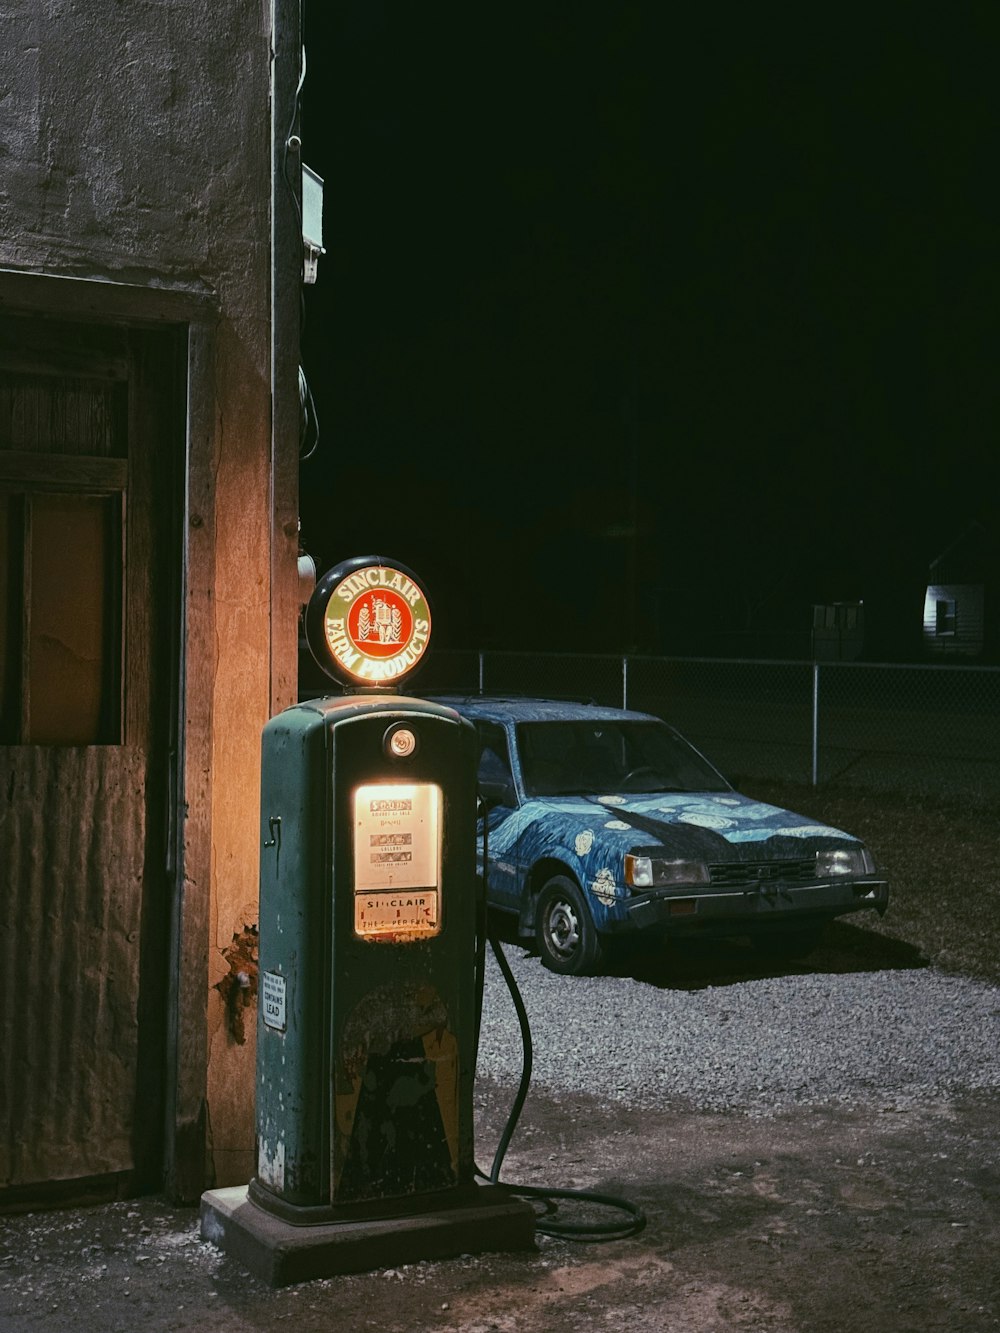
point(955, 601)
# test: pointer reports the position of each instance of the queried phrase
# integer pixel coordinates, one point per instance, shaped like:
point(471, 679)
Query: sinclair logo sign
point(368, 622)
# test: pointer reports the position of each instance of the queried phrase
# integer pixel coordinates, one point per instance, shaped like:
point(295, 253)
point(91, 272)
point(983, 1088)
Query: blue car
point(603, 824)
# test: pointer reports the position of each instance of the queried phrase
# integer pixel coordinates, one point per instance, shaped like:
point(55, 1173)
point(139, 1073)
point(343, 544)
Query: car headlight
point(845, 861)
point(648, 872)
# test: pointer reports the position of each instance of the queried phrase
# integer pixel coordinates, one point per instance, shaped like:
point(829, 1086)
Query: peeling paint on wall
point(238, 987)
point(271, 1164)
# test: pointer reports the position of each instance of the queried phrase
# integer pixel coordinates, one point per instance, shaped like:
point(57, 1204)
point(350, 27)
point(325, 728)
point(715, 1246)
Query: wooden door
point(90, 447)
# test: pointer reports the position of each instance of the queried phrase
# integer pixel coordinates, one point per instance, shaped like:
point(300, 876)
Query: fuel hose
point(548, 1222)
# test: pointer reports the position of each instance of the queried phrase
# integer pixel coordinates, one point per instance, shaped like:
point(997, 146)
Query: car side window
point(495, 778)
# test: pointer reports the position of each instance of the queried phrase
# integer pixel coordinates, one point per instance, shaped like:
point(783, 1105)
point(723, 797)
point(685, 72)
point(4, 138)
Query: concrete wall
point(136, 147)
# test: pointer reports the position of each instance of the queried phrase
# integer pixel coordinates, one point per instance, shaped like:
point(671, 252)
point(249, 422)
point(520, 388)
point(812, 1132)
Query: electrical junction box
point(312, 223)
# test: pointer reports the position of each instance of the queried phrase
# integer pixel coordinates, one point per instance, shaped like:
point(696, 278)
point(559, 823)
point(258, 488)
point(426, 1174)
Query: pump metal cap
point(400, 742)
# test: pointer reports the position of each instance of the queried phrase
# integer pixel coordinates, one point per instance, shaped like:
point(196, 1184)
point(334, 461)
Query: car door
point(496, 788)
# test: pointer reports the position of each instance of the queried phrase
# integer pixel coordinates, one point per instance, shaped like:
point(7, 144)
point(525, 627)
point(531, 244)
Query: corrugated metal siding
point(72, 829)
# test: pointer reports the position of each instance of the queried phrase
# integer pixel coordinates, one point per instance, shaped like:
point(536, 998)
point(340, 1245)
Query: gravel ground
point(888, 1038)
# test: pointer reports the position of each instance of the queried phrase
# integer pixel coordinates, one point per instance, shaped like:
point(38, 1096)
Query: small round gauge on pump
point(368, 624)
point(399, 741)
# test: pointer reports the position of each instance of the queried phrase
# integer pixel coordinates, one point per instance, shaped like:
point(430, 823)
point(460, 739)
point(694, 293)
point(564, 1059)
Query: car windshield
point(602, 758)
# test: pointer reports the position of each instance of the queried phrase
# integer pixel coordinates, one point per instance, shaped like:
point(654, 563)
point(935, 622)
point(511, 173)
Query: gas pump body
point(365, 1056)
point(367, 1023)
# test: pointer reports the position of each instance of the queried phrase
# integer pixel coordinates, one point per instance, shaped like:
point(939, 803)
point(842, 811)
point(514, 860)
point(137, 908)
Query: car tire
point(567, 940)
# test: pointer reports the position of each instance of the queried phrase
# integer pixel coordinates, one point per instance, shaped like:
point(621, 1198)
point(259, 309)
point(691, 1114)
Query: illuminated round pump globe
point(368, 623)
point(401, 743)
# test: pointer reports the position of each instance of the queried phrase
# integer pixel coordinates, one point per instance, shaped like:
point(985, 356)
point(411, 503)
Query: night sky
point(635, 323)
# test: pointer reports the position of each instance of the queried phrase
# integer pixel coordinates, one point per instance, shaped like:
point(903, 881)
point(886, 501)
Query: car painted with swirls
point(600, 823)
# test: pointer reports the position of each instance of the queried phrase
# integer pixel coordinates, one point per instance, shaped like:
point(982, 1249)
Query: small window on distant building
point(945, 617)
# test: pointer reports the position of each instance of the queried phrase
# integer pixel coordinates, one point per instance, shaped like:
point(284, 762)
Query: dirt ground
point(839, 1220)
point(829, 1220)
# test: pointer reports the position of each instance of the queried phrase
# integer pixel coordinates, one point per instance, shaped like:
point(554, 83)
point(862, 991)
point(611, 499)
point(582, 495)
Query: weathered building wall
point(137, 149)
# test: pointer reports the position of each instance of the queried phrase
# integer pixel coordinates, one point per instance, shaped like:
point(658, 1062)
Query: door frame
point(192, 635)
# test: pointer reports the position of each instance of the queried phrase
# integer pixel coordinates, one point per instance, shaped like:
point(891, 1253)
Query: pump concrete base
point(280, 1253)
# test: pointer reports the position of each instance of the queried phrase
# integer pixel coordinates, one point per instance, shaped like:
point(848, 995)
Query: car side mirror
point(497, 793)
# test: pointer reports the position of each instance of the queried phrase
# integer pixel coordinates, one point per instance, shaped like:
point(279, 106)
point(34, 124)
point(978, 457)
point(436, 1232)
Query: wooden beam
point(20, 467)
point(88, 298)
point(185, 1165)
point(286, 307)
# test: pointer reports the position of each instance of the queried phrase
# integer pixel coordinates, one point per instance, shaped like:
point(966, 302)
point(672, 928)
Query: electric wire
point(307, 404)
point(310, 418)
point(292, 139)
point(547, 1222)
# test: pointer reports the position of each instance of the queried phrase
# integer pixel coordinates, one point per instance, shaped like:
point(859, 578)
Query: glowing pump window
point(397, 860)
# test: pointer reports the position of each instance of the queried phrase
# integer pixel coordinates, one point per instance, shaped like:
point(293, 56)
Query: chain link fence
point(922, 728)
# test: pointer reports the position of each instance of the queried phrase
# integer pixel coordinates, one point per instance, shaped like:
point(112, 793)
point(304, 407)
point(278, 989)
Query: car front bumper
point(733, 907)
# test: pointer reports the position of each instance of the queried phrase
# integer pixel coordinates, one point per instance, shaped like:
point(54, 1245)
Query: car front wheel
point(564, 931)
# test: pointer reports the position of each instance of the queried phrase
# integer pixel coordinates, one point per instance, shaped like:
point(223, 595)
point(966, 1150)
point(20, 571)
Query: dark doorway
point(91, 453)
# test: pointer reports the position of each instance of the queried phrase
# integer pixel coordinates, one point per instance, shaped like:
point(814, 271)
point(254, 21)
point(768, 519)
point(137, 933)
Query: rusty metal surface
point(396, 1096)
point(72, 833)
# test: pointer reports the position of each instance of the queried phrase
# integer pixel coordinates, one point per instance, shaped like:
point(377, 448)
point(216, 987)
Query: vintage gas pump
point(366, 1019)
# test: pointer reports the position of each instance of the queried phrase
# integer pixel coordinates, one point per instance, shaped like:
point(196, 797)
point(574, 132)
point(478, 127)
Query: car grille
point(763, 872)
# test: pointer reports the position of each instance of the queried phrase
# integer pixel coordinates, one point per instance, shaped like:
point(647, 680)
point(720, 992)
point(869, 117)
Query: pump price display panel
point(397, 860)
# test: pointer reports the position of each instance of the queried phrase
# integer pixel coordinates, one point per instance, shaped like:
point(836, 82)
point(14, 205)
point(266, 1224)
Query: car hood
point(707, 825)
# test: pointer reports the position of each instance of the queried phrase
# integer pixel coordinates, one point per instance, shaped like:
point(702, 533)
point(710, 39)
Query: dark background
point(637, 325)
